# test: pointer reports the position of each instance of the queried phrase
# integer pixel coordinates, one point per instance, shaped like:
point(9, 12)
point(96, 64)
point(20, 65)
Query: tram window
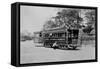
point(46, 35)
point(63, 34)
point(54, 35)
point(59, 35)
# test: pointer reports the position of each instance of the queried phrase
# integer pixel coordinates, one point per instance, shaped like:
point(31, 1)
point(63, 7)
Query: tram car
point(63, 38)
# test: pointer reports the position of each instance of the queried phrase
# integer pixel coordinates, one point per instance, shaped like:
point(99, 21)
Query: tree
point(70, 18)
point(90, 16)
point(88, 29)
point(66, 17)
point(49, 24)
point(25, 35)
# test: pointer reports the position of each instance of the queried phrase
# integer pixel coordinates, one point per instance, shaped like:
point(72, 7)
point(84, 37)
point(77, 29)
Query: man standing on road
point(55, 45)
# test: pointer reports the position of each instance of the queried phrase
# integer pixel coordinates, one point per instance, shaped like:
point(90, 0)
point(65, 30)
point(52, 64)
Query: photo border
point(16, 49)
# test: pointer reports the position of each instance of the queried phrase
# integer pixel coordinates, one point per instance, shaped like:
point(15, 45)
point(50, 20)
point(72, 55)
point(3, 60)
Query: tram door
point(73, 36)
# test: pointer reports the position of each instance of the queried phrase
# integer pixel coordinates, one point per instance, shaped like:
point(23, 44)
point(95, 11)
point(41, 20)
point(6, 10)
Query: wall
point(5, 36)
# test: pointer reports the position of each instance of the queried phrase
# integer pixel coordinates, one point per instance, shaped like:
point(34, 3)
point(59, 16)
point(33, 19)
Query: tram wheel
point(74, 48)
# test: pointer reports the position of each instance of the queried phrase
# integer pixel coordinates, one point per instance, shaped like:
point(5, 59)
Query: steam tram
point(65, 38)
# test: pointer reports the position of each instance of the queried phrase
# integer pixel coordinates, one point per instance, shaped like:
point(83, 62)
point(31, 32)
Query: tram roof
point(37, 32)
point(62, 29)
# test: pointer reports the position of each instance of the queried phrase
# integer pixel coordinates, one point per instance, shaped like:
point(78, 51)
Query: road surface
point(31, 53)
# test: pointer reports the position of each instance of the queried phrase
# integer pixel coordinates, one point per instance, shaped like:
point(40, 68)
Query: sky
point(34, 17)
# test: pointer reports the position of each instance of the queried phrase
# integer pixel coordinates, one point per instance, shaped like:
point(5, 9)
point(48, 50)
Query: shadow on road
point(39, 46)
point(63, 49)
point(69, 49)
point(58, 48)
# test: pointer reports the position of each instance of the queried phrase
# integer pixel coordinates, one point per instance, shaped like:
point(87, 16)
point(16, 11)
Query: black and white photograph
point(54, 34)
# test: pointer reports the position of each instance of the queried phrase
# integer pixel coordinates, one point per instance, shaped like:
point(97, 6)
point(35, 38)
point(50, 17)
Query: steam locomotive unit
point(61, 38)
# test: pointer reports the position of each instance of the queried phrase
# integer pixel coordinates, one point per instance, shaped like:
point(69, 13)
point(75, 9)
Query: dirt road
point(32, 54)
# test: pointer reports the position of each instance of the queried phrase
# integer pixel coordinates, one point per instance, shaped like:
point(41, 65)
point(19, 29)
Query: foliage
point(25, 36)
point(91, 22)
point(88, 29)
point(71, 18)
point(68, 18)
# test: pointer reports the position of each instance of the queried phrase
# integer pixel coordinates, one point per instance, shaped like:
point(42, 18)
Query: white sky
point(34, 17)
